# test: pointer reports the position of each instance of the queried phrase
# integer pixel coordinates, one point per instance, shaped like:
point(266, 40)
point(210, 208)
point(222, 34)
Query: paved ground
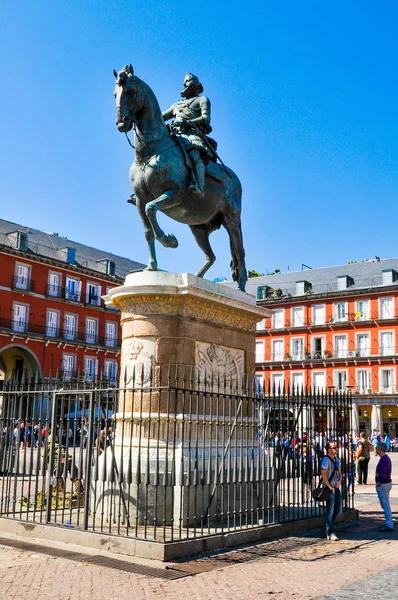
point(364, 563)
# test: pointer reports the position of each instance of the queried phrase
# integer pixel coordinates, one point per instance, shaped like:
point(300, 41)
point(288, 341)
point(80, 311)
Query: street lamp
point(365, 414)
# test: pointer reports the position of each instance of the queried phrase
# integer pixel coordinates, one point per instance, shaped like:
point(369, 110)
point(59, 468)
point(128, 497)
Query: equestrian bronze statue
point(175, 169)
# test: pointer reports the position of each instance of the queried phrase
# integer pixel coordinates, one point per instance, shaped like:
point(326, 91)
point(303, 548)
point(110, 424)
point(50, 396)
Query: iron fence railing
point(172, 455)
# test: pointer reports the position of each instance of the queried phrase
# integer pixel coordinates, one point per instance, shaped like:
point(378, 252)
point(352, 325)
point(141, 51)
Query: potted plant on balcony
point(278, 293)
point(327, 354)
point(288, 356)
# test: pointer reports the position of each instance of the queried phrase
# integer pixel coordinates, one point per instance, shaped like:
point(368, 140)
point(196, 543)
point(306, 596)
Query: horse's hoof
point(170, 241)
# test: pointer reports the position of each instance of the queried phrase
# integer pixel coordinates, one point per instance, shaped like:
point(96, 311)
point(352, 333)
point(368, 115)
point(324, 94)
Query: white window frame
point(363, 389)
point(111, 342)
point(16, 326)
point(54, 290)
point(278, 318)
point(297, 387)
point(391, 388)
point(317, 388)
point(68, 372)
point(91, 339)
point(67, 334)
point(315, 320)
point(51, 330)
point(343, 316)
point(22, 282)
point(390, 313)
point(358, 334)
point(260, 326)
point(109, 366)
point(323, 345)
point(389, 350)
point(107, 290)
point(343, 353)
point(365, 314)
point(90, 298)
point(277, 356)
point(74, 296)
point(260, 351)
point(336, 374)
point(295, 317)
point(293, 354)
point(90, 374)
point(279, 387)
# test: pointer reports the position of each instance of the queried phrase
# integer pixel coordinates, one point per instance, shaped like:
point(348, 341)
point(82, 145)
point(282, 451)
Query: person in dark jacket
point(384, 484)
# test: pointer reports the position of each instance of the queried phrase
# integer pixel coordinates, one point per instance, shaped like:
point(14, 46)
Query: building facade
point(334, 329)
point(53, 321)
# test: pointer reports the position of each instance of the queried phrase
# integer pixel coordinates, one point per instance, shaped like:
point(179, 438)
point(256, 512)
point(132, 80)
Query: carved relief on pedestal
point(138, 357)
point(219, 363)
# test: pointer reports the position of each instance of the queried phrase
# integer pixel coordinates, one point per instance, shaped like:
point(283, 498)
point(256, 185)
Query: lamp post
point(366, 416)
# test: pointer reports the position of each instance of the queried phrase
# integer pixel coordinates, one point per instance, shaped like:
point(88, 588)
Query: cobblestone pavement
point(298, 568)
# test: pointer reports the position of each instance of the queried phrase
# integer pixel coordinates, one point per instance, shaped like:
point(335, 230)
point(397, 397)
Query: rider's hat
point(191, 83)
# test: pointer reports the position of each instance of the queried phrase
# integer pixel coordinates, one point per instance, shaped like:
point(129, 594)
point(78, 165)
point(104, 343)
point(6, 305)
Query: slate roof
point(364, 275)
point(50, 245)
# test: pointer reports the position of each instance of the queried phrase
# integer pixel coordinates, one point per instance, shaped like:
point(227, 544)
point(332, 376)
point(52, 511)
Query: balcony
point(93, 300)
point(54, 291)
point(23, 284)
point(72, 295)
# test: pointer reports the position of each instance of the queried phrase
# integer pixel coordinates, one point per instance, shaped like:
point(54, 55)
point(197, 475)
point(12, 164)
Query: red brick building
point(334, 328)
point(53, 321)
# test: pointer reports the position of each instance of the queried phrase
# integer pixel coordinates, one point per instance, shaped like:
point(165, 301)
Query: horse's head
point(129, 98)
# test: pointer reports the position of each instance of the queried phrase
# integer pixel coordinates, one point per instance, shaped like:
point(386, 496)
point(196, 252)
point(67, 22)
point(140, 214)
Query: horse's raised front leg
point(168, 199)
point(201, 233)
point(150, 238)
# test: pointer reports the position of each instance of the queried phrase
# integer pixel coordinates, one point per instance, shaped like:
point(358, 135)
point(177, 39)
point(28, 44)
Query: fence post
point(50, 467)
point(89, 458)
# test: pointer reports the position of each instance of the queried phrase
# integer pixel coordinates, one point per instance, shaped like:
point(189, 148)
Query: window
point(277, 352)
point(91, 331)
point(70, 327)
point(297, 316)
point(260, 351)
point(277, 382)
point(110, 334)
point(259, 382)
point(318, 347)
point(387, 381)
point(20, 317)
point(363, 344)
point(72, 290)
point(261, 325)
point(54, 285)
point(318, 314)
point(362, 312)
point(386, 308)
point(90, 367)
point(108, 289)
point(341, 311)
point(297, 348)
point(71, 256)
point(340, 346)
point(68, 365)
point(110, 267)
point(22, 277)
point(302, 287)
point(297, 382)
point(344, 282)
point(278, 318)
point(52, 322)
point(387, 346)
point(389, 276)
point(340, 380)
point(110, 370)
point(22, 241)
point(364, 380)
point(319, 381)
point(93, 294)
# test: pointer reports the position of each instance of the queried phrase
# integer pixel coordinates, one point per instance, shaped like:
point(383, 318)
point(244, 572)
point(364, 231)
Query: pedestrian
point(384, 485)
point(363, 458)
point(332, 477)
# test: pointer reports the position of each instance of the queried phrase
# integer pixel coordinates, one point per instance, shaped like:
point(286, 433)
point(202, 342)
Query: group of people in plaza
point(341, 462)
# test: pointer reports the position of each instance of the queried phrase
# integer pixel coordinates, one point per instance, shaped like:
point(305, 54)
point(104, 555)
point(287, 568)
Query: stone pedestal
point(187, 346)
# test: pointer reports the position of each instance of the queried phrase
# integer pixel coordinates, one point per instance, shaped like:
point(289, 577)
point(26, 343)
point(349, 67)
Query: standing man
point(332, 476)
point(363, 458)
point(384, 484)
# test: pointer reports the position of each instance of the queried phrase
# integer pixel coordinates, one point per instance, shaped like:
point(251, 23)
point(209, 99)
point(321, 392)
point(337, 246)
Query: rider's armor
point(192, 121)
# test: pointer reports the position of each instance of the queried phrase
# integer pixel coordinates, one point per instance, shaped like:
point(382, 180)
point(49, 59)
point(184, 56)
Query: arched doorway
point(19, 363)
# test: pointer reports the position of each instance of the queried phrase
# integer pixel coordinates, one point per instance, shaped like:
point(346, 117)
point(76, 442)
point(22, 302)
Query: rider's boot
point(197, 184)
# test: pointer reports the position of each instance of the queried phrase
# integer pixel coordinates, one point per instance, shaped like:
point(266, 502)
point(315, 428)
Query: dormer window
point(344, 282)
point(22, 241)
point(302, 287)
point(263, 292)
point(389, 276)
point(71, 256)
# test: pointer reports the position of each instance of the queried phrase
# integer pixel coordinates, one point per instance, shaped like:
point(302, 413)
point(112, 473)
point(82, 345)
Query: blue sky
point(304, 108)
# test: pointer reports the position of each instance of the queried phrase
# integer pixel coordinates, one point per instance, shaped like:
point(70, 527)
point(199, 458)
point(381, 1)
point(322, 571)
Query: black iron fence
point(172, 455)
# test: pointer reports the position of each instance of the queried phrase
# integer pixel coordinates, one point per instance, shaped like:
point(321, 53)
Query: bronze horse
point(160, 178)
